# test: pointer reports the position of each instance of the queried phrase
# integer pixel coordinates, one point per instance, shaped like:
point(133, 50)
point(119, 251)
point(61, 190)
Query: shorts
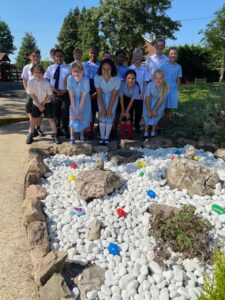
point(29, 104)
point(48, 112)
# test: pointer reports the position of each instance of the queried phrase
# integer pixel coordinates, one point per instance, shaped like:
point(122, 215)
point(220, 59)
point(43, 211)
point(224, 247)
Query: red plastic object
point(73, 166)
point(172, 157)
point(121, 212)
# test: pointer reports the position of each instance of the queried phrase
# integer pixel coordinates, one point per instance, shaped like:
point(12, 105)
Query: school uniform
point(153, 93)
point(40, 89)
point(155, 62)
point(121, 71)
point(142, 76)
point(172, 73)
point(78, 89)
point(57, 74)
point(27, 75)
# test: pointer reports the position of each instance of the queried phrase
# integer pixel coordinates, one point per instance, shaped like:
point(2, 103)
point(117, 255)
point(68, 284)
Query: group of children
point(71, 95)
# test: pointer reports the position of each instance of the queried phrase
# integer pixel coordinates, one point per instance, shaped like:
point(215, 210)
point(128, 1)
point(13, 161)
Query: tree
point(88, 27)
point(215, 38)
point(6, 39)
point(68, 35)
point(123, 22)
point(28, 44)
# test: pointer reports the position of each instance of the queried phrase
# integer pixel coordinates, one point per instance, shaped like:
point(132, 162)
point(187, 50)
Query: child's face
point(92, 54)
point(77, 74)
point(77, 56)
point(173, 55)
point(158, 79)
point(106, 71)
point(34, 58)
point(58, 58)
point(138, 58)
point(130, 80)
point(160, 46)
point(38, 75)
point(120, 59)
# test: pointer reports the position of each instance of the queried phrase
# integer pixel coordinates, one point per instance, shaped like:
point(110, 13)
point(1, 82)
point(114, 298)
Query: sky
point(44, 19)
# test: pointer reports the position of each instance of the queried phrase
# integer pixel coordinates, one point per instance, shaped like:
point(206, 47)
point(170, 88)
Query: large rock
point(37, 237)
point(34, 170)
point(32, 212)
point(158, 142)
point(191, 175)
point(35, 191)
point(94, 232)
point(126, 144)
point(53, 262)
point(79, 148)
point(124, 156)
point(220, 153)
point(92, 184)
point(164, 210)
point(55, 289)
point(39, 153)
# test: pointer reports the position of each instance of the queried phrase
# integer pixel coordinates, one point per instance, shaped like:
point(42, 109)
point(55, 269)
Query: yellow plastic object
point(196, 157)
point(140, 164)
point(71, 178)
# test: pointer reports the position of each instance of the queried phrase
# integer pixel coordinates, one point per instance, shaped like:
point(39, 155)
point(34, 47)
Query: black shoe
point(35, 133)
point(56, 138)
point(29, 139)
point(137, 129)
point(39, 131)
point(146, 137)
point(101, 142)
point(65, 133)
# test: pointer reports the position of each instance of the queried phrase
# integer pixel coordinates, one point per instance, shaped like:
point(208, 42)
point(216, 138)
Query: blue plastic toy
point(178, 152)
point(151, 194)
point(114, 249)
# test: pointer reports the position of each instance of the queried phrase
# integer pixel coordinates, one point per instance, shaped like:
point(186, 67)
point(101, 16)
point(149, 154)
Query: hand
point(61, 92)
point(149, 115)
point(41, 107)
point(127, 115)
point(79, 116)
point(74, 116)
point(154, 113)
point(103, 113)
point(109, 113)
point(142, 96)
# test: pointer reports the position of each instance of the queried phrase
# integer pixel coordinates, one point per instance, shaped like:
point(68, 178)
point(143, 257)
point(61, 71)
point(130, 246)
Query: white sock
point(102, 127)
point(153, 133)
point(146, 133)
point(108, 130)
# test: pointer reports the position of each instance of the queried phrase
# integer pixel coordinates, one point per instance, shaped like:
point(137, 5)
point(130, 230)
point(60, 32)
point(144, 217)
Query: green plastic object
point(141, 174)
point(218, 209)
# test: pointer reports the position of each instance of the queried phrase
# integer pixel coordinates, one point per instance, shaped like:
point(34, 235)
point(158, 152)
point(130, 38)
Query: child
point(173, 73)
point(41, 93)
point(106, 55)
point(107, 85)
point(77, 55)
point(121, 68)
point(129, 91)
point(155, 61)
point(91, 69)
point(80, 109)
point(142, 78)
point(34, 57)
point(57, 74)
point(154, 103)
point(52, 54)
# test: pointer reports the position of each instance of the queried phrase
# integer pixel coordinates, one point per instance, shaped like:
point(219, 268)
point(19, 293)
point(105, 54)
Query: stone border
point(47, 264)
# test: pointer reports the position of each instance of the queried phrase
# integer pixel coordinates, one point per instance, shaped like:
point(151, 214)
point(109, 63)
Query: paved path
point(15, 266)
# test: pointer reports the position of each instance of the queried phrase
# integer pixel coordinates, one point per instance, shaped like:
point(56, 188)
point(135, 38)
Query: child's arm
point(159, 102)
point(72, 103)
point(178, 83)
point(36, 101)
point(148, 106)
point(82, 102)
point(101, 102)
point(129, 106)
point(122, 105)
point(25, 84)
point(112, 100)
point(47, 98)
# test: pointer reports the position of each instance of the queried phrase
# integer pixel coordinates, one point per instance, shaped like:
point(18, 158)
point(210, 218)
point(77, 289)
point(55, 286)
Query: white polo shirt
point(142, 75)
point(155, 62)
point(40, 89)
point(50, 72)
point(26, 73)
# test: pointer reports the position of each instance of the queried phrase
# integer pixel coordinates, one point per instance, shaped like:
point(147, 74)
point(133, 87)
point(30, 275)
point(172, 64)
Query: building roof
point(4, 57)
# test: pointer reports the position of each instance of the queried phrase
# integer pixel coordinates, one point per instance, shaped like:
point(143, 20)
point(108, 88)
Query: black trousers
point(61, 106)
point(136, 113)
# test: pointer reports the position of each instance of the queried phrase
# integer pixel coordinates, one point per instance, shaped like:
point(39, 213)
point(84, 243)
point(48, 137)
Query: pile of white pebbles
point(133, 274)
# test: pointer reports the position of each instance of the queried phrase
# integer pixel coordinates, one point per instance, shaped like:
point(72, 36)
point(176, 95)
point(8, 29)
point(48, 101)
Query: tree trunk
point(222, 70)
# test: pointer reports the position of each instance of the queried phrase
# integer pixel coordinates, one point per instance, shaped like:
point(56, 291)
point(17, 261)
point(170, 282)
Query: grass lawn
point(201, 112)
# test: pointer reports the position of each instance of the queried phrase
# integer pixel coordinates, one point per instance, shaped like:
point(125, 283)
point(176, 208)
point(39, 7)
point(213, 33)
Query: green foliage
point(45, 63)
point(68, 35)
point(6, 39)
point(184, 232)
point(200, 112)
point(214, 288)
point(124, 22)
point(28, 44)
point(215, 39)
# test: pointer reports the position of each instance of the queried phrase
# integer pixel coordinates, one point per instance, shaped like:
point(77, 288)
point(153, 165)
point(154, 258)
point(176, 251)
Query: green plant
point(214, 288)
point(183, 231)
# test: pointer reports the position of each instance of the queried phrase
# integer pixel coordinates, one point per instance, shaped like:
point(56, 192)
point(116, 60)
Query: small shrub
point(183, 232)
point(214, 287)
